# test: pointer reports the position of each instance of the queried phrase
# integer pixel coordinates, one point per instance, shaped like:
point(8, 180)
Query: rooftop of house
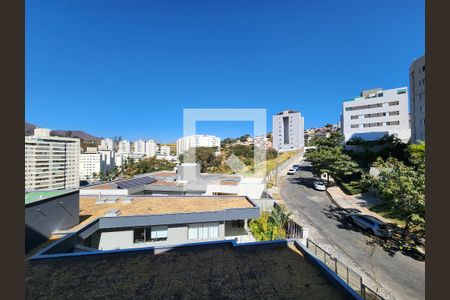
point(153, 205)
point(34, 196)
point(195, 272)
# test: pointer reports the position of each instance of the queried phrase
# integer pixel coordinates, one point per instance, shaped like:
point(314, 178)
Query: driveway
point(401, 275)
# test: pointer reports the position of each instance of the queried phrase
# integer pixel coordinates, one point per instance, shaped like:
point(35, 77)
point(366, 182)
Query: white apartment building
point(124, 146)
point(120, 159)
point(196, 140)
point(106, 144)
point(288, 130)
point(164, 150)
point(417, 99)
point(139, 147)
point(90, 163)
point(151, 148)
point(375, 113)
point(51, 162)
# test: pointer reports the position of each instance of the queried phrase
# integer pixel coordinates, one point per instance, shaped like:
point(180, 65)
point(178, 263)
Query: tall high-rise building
point(51, 162)
point(288, 130)
point(196, 140)
point(151, 148)
point(124, 147)
point(417, 99)
point(375, 113)
point(139, 147)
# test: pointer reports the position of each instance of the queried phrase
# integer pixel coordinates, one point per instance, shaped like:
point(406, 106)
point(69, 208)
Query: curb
point(334, 201)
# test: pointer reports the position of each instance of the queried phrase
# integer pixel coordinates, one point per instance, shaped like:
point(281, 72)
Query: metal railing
point(352, 278)
point(293, 230)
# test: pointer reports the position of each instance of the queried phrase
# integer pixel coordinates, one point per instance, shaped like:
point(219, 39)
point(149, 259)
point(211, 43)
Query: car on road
point(319, 185)
point(291, 172)
point(370, 224)
point(296, 167)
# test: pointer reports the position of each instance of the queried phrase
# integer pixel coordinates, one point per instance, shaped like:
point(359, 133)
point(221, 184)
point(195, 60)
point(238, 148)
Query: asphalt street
point(402, 275)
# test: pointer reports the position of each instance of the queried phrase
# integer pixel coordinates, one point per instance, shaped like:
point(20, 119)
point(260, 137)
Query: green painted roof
point(31, 197)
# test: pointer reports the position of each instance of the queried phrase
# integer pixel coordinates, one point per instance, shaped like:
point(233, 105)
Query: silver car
point(319, 185)
point(291, 172)
point(370, 224)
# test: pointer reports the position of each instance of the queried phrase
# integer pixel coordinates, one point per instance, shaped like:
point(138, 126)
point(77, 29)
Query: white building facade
point(89, 164)
point(417, 99)
point(288, 130)
point(196, 140)
point(106, 144)
point(139, 147)
point(375, 113)
point(151, 148)
point(51, 162)
point(124, 146)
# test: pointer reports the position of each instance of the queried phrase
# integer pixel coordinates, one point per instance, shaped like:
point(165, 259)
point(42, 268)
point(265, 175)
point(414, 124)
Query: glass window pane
point(139, 235)
point(193, 232)
point(214, 231)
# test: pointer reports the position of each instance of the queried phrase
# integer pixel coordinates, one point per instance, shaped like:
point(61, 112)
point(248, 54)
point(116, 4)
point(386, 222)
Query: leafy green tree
point(279, 216)
point(332, 161)
point(205, 156)
point(416, 155)
point(402, 188)
point(270, 226)
point(244, 137)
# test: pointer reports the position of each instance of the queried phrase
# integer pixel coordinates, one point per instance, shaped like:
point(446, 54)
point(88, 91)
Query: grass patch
point(384, 211)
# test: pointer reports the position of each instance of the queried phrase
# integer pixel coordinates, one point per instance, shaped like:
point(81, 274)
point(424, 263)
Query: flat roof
point(154, 205)
point(258, 272)
point(34, 196)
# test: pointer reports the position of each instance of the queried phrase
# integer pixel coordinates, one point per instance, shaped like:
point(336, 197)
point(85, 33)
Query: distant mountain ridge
point(29, 130)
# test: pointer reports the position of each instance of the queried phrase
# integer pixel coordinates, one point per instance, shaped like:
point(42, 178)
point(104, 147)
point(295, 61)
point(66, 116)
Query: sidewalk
point(361, 202)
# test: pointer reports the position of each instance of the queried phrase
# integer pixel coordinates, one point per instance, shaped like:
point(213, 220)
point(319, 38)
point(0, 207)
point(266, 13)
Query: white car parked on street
point(319, 185)
point(291, 172)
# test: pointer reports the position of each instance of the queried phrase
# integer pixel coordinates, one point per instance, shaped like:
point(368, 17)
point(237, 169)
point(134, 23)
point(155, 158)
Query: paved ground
point(401, 275)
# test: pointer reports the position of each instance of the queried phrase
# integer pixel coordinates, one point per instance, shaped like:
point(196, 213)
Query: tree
point(402, 189)
point(279, 216)
point(335, 139)
point(332, 161)
point(270, 226)
point(205, 156)
point(244, 137)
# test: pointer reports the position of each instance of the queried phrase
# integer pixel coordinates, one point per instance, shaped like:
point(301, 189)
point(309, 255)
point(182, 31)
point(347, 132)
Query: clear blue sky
point(128, 68)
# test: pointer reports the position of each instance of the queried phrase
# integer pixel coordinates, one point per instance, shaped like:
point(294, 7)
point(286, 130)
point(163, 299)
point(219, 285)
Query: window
point(402, 91)
point(393, 123)
point(203, 231)
point(394, 113)
point(355, 126)
point(354, 117)
point(373, 124)
point(392, 103)
point(150, 234)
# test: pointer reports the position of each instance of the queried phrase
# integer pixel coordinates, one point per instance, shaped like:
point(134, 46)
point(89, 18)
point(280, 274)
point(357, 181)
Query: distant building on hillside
point(164, 150)
point(196, 140)
point(51, 163)
point(375, 113)
point(151, 148)
point(417, 99)
point(288, 130)
point(106, 144)
point(124, 147)
point(139, 147)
